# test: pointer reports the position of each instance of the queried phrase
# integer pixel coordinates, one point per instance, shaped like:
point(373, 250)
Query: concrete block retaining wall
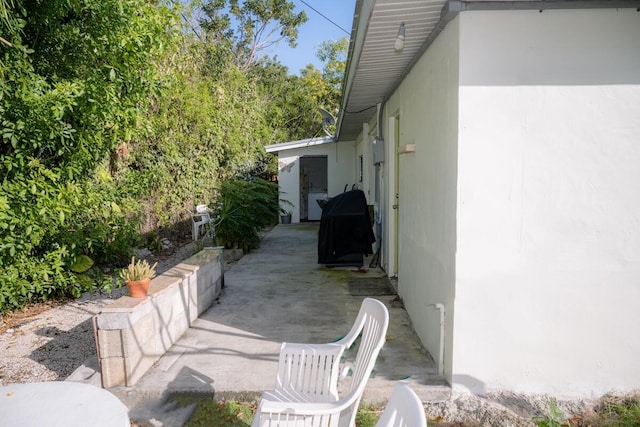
point(133, 333)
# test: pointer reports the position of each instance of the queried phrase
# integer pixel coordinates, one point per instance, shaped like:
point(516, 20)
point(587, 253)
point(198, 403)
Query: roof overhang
point(375, 69)
point(303, 143)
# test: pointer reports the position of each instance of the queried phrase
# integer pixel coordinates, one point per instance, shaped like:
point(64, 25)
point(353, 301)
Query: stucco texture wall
point(426, 103)
point(548, 209)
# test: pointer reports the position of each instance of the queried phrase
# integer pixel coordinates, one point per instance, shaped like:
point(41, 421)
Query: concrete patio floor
point(273, 294)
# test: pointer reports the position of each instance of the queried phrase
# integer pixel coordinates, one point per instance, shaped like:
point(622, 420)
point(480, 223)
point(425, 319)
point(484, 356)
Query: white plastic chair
point(306, 392)
point(200, 219)
point(404, 409)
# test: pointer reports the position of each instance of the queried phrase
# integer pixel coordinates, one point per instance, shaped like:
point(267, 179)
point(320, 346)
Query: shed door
point(313, 186)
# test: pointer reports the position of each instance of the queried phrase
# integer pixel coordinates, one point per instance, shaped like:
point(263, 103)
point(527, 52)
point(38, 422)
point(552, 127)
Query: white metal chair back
point(404, 409)
point(306, 385)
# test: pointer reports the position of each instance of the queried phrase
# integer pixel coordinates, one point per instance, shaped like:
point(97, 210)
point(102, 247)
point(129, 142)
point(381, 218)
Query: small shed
point(313, 169)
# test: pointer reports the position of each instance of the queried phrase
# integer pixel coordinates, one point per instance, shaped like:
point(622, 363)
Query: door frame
point(393, 186)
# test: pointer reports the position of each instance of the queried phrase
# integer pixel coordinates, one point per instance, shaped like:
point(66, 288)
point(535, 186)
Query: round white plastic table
point(60, 403)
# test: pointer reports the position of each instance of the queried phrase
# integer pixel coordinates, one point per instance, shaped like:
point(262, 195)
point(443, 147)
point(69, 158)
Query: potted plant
point(137, 276)
point(285, 217)
point(285, 213)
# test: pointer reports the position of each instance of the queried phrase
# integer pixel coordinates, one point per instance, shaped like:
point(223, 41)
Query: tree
point(333, 54)
point(292, 103)
point(248, 27)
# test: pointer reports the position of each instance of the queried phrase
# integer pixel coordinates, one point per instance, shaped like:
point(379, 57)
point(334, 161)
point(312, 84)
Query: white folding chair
point(306, 392)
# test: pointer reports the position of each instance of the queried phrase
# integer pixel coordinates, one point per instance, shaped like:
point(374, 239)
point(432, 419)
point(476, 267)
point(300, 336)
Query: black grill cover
point(345, 228)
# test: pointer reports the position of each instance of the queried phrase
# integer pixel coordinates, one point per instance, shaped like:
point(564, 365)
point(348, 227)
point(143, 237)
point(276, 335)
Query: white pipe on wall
point(440, 307)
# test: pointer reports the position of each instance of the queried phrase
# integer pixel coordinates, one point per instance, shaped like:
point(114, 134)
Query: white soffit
point(379, 65)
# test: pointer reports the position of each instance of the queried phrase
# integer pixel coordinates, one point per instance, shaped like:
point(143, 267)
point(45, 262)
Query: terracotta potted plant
point(137, 276)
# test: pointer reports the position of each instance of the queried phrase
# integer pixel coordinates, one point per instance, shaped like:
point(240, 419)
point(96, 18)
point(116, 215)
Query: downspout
point(380, 107)
point(440, 307)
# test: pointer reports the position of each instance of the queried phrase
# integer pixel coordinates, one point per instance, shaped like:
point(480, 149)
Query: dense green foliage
point(76, 77)
point(115, 122)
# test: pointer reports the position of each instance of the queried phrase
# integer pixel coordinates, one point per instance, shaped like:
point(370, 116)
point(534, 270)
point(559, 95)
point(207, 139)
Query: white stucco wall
point(364, 148)
point(548, 233)
point(340, 170)
point(427, 105)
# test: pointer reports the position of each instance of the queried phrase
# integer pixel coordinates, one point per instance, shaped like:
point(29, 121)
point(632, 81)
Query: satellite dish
point(327, 120)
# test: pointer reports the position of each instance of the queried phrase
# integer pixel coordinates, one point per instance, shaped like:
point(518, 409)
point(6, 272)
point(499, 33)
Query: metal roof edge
point(452, 8)
point(355, 50)
point(450, 11)
point(309, 142)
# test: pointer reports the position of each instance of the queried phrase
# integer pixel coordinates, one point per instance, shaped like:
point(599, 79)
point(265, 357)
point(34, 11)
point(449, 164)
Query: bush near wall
point(243, 209)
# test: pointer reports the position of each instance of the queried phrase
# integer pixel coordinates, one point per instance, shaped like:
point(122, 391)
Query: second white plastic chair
point(404, 409)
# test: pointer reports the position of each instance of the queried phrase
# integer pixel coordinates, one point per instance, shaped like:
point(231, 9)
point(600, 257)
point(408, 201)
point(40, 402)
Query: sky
point(316, 30)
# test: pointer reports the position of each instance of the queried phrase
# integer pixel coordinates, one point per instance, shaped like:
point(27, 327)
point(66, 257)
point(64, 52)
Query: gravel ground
point(47, 342)
point(503, 409)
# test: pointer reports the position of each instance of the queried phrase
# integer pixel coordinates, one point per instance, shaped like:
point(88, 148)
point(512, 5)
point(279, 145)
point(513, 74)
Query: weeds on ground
point(208, 413)
point(367, 416)
point(611, 411)
point(224, 414)
point(554, 418)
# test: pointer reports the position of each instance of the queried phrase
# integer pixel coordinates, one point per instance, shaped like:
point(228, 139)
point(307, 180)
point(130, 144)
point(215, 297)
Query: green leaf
point(115, 208)
point(82, 264)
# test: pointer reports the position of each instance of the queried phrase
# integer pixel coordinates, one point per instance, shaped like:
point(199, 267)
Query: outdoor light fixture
point(400, 38)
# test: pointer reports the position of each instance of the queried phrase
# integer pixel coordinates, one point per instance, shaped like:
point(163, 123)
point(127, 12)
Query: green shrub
point(243, 209)
point(53, 232)
point(75, 80)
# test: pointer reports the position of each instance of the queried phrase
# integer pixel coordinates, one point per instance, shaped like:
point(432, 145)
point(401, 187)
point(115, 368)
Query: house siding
point(426, 103)
point(548, 207)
